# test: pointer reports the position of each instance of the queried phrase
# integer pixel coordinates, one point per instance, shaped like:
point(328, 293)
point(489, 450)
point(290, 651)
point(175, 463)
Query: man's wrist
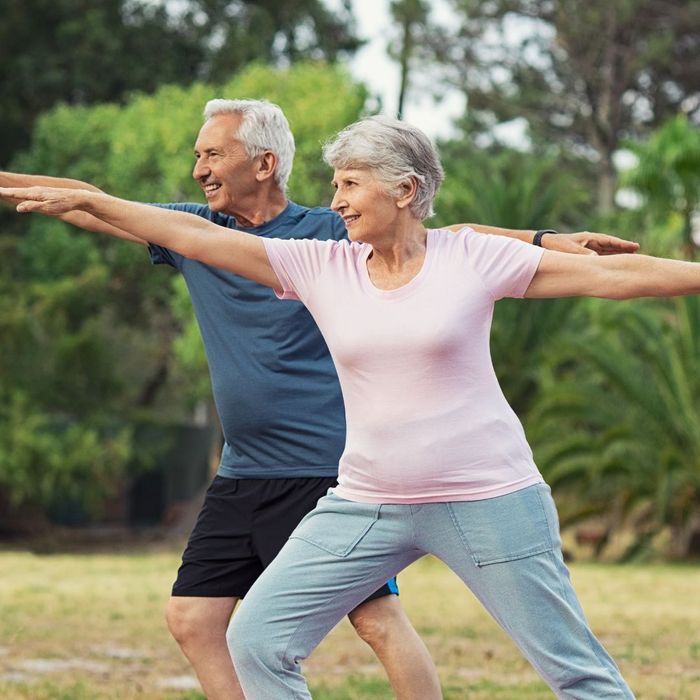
point(537, 238)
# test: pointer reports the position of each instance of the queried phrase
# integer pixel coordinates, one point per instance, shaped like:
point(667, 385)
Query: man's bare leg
point(199, 627)
point(384, 625)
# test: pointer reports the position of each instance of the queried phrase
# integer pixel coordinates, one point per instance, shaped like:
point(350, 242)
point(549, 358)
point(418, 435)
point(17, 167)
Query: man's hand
point(581, 243)
point(587, 243)
point(52, 201)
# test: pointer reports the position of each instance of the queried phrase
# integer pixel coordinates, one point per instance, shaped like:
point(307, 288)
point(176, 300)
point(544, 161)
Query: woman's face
point(368, 210)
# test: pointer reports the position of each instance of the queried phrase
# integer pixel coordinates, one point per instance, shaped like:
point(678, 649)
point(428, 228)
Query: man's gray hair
point(263, 128)
point(396, 152)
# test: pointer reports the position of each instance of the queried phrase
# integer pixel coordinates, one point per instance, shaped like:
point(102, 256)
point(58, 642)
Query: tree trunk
point(607, 181)
point(406, 47)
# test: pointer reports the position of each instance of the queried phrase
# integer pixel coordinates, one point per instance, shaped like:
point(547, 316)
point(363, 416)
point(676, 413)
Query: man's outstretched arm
point(582, 242)
point(81, 219)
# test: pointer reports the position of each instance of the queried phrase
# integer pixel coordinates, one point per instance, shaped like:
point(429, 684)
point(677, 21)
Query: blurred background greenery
point(101, 364)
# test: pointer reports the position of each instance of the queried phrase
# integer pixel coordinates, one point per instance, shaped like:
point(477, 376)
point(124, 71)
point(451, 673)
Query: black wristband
point(537, 238)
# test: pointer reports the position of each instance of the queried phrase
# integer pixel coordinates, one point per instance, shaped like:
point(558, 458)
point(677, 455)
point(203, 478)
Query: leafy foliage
point(618, 427)
point(668, 174)
point(512, 189)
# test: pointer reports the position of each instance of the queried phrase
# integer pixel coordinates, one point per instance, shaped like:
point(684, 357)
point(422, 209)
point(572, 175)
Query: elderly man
point(277, 395)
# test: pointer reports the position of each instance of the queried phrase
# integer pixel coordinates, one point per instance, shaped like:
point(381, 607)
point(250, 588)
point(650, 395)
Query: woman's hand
point(52, 201)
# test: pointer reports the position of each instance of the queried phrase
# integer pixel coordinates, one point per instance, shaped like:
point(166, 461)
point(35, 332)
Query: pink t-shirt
point(426, 418)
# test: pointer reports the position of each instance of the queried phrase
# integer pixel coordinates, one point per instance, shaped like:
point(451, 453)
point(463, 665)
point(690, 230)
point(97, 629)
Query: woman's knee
point(246, 639)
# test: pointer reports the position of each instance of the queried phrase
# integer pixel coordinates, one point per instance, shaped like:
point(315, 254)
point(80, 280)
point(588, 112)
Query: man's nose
point(200, 170)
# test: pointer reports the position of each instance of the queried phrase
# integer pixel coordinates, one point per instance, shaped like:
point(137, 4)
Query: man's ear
point(407, 192)
point(267, 165)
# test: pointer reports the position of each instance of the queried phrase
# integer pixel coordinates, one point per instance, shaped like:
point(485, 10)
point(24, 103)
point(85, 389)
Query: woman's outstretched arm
point(612, 277)
point(187, 234)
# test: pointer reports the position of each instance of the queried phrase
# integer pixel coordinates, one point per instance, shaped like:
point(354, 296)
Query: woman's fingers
point(44, 200)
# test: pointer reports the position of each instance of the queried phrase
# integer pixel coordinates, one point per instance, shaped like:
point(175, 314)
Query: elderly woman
point(435, 462)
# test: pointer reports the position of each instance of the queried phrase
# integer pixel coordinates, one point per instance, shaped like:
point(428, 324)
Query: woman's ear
point(407, 192)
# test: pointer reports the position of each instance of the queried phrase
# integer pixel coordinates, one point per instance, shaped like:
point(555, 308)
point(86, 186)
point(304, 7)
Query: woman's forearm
point(187, 234)
point(645, 276)
point(613, 277)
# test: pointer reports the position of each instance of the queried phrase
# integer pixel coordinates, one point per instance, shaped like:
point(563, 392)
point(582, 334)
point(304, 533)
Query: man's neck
point(260, 211)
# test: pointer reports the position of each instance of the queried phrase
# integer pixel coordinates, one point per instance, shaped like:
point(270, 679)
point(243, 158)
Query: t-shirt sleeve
point(505, 265)
point(297, 264)
point(164, 256)
point(160, 255)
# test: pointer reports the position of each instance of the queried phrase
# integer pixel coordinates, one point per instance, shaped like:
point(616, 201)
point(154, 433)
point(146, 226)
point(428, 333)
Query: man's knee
point(182, 620)
point(376, 621)
point(191, 619)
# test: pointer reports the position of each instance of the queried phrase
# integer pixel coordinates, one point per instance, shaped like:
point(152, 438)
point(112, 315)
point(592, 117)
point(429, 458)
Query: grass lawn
point(84, 626)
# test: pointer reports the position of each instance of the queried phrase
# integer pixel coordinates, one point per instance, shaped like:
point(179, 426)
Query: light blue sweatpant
point(506, 549)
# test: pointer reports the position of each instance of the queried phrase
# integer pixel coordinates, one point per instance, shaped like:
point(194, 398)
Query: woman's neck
point(398, 258)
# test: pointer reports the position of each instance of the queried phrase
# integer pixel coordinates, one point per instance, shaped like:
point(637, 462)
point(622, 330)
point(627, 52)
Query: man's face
point(223, 169)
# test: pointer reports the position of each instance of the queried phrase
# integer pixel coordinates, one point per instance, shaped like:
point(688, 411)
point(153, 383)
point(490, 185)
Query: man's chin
point(216, 204)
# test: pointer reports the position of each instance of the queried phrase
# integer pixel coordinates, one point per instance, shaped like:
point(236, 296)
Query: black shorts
point(242, 526)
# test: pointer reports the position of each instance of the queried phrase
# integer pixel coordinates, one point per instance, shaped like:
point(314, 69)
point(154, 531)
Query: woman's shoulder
point(453, 233)
point(328, 249)
point(452, 241)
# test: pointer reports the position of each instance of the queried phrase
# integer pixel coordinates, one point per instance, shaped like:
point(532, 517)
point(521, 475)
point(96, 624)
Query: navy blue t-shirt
point(274, 383)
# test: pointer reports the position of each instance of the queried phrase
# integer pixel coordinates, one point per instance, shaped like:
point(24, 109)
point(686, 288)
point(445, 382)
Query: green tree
point(89, 51)
point(77, 51)
point(667, 174)
point(584, 74)
point(279, 33)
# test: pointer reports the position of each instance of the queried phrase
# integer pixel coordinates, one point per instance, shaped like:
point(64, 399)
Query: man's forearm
point(80, 219)
point(522, 235)
point(8, 179)
point(579, 243)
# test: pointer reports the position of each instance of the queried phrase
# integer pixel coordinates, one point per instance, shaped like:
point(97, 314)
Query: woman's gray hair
point(396, 152)
point(263, 128)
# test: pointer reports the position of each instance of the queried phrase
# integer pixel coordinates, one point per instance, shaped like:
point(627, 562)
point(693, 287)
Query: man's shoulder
point(198, 209)
point(317, 222)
